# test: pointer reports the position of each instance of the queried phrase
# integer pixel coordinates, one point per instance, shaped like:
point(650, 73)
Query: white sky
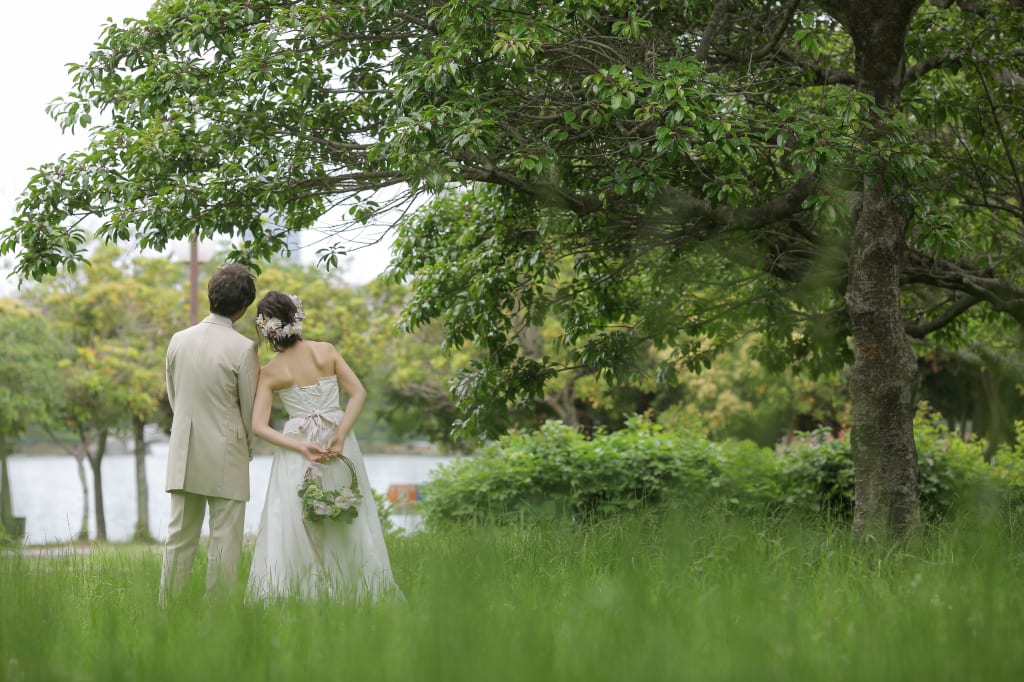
point(41, 37)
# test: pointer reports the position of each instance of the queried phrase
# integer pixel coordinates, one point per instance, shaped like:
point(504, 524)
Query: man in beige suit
point(211, 382)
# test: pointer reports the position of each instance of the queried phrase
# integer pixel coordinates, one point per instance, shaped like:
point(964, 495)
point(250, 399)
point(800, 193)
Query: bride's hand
point(313, 453)
point(336, 446)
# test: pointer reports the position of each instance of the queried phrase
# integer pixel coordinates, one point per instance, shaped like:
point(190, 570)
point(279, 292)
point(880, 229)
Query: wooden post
point(193, 280)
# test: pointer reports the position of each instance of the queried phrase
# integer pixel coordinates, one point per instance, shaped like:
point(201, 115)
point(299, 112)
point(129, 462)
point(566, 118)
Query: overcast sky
point(41, 37)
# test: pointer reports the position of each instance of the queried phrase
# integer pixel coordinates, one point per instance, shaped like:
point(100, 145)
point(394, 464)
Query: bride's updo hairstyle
point(279, 320)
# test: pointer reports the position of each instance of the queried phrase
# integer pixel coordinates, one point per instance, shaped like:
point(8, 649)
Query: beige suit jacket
point(211, 383)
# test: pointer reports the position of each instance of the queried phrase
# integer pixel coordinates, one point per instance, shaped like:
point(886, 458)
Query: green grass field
point(674, 596)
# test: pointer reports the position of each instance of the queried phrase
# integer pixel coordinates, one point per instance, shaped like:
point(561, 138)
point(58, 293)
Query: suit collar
point(219, 320)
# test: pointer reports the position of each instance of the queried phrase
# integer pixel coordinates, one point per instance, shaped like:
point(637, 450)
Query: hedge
point(556, 470)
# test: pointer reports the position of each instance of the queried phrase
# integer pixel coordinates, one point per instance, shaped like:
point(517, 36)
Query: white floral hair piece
point(273, 328)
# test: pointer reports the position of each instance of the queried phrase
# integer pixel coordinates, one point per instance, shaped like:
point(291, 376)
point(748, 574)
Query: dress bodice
point(318, 398)
point(313, 411)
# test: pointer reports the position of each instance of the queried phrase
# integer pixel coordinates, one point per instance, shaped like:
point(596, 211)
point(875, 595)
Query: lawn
point(679, 595)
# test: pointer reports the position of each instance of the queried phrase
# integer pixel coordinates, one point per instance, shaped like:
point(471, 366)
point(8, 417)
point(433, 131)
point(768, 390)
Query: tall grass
point(657, 596)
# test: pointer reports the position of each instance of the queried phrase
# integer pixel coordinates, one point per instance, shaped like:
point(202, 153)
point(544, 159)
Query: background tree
point(28, 388)
point(412, 371)
point(154, 308)
point(739, 398)
point(775, 151)
point(117, 315)
point(105, 386)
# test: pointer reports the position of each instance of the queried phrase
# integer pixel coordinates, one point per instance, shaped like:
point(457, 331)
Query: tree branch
point(713, 27)
point(823, 75)
point(683, 208)
point(771, 46)
point(918, 70)
point(1003, 296)
point(922, 329)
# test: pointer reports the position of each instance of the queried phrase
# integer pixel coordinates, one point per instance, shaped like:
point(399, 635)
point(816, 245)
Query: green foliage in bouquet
point(319, 504)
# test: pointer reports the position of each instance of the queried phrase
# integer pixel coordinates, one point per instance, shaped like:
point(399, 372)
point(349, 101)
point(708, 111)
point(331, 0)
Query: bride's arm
point(261, 423)
point(350, 384)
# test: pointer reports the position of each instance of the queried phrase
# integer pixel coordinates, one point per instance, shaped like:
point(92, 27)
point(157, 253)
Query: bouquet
point(319, 504)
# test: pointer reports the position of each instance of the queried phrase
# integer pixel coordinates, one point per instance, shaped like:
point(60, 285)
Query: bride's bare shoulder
point(275, 373)
point(324, 352)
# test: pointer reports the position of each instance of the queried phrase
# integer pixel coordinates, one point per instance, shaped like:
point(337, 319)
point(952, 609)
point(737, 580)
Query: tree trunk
point(95, 460)
point(884, 376)
point(564, 402)
point(883, 379)
point(142, 533)
point(6, 510)
point(79, 454)
point(10, 526)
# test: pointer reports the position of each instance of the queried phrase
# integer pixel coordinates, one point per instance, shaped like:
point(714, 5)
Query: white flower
point(267, 325)
point(293, 329)
point(346, 499)
point(272, 327)
point(300, 314)
point(322, 508)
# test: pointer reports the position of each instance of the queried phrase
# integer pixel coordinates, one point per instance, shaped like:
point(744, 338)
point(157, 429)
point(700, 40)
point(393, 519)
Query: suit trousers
point(227, 519)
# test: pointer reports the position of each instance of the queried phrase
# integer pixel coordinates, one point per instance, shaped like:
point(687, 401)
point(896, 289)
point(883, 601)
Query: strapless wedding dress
point(294, 557)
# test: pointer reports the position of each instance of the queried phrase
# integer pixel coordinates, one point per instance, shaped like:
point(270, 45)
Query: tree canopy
point(646, 135)
point(29, 381)
point(654, 173)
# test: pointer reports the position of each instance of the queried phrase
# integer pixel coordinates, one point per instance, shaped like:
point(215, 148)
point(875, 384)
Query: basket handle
point(352, 469)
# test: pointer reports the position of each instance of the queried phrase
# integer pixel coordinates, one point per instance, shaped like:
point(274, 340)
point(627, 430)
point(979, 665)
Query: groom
point(211, 382)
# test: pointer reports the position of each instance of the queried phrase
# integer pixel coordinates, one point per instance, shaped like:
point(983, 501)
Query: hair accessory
point(273, 328)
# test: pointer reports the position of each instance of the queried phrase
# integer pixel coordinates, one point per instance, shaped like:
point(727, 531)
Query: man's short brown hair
point(231, 290)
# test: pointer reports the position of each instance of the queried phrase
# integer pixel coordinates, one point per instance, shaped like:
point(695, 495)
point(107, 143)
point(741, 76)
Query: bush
point(951, 472)
point(1009, 466)
point(556, 471)
point(816, 471)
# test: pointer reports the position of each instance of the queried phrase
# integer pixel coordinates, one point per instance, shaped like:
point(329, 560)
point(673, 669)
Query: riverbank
point(118, 448)
point(47, 492)
point(85, 548)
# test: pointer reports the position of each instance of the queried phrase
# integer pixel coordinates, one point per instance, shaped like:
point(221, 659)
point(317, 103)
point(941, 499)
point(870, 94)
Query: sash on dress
point(314, 425)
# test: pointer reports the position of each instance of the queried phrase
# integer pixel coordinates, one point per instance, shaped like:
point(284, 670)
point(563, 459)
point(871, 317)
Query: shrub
point(1009, 466)
point(817, 475)
point(951, 472)
point(557, 471)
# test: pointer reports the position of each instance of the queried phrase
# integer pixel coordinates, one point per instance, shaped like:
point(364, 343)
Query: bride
point(312, 546)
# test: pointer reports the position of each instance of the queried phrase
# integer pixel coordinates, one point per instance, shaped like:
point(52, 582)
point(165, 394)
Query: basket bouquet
point(319, 504)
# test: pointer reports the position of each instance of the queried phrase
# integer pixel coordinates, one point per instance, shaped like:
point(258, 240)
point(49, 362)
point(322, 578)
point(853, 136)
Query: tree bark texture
point(10, 525)
point(95, 460)
point(5, 492)
point(142, 533)
point(79, 454)
point(883, 380)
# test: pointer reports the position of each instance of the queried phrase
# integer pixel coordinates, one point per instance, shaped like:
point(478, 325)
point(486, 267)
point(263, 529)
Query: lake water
point(45, 489)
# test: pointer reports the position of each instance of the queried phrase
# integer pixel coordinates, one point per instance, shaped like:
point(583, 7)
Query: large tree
point(663, 172)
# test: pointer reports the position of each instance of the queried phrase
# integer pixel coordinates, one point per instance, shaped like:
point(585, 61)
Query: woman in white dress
point(326, 557)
